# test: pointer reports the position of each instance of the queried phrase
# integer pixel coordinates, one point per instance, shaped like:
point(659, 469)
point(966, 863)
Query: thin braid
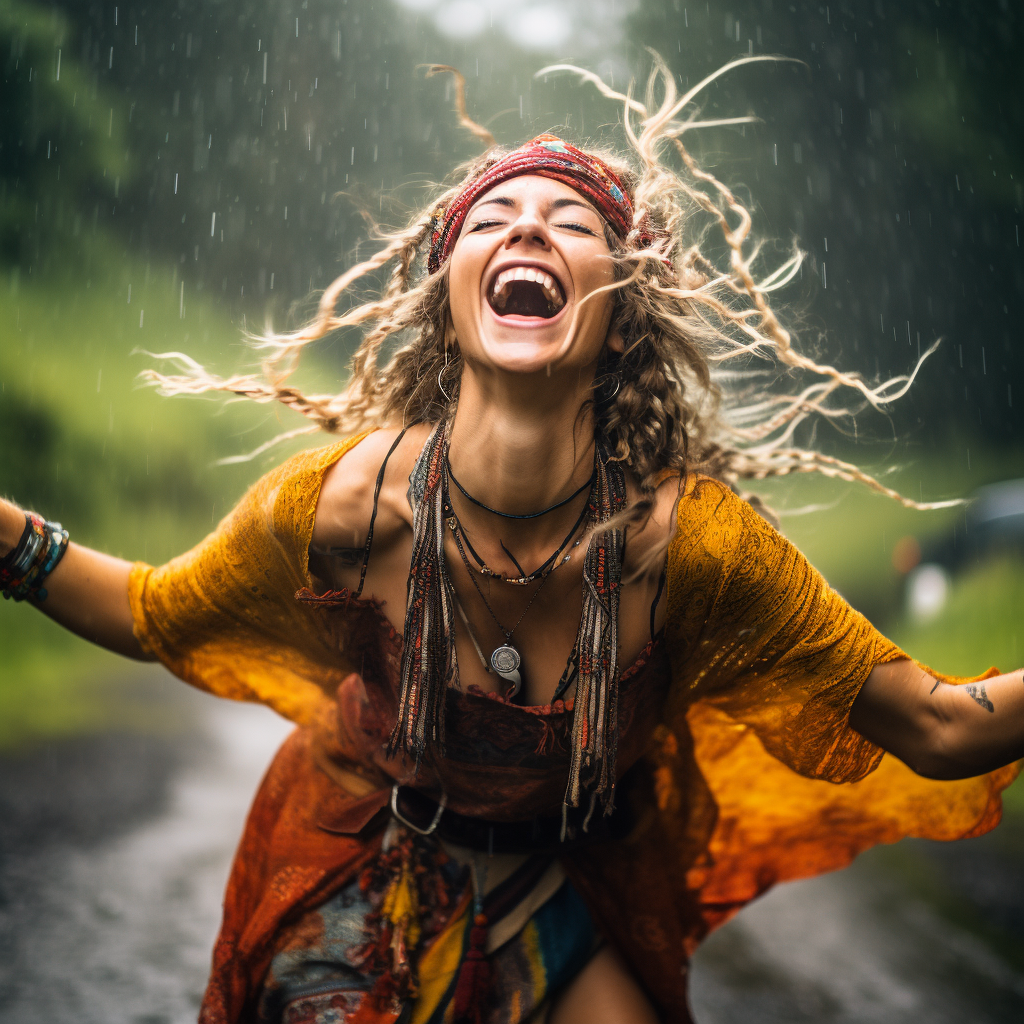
point(735, 238)
point(799, 460)
point(326, 320)
point(460, 102)
point(407, 254)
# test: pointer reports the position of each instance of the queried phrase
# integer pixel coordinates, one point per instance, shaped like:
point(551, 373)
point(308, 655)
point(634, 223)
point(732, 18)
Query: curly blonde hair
point(677, 406)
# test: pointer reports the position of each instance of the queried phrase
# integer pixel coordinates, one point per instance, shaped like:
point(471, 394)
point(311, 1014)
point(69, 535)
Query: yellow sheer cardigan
point(766, 660)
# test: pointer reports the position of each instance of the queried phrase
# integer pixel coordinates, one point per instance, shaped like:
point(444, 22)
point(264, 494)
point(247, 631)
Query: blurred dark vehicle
point(993, 524)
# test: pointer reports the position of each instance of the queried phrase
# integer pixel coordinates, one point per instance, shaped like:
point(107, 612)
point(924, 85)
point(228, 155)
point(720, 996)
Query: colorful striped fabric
point(538, 962)
point(321, 973)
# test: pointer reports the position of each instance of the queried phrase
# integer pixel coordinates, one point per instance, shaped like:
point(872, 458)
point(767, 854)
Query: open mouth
point(526, 292)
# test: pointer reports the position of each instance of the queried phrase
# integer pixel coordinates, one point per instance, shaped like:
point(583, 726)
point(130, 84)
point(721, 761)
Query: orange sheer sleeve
point(767, 661)
point(223, 616)
point(738, 788)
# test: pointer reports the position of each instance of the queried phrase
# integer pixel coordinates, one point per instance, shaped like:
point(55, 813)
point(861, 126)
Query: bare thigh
point(604, 992)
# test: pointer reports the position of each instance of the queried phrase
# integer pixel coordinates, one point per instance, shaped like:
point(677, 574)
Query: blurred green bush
point(125, 470)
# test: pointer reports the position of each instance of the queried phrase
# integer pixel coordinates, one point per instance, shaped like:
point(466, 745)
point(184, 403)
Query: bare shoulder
point(346, 494)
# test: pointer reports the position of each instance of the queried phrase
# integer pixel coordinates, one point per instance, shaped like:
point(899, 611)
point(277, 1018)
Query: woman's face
point(530, 249)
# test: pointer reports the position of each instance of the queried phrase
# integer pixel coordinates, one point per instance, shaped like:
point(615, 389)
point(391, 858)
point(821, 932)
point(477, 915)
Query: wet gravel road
point(114, 851)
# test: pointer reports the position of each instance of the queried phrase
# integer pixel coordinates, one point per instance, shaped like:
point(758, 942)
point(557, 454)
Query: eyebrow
point(558, 204)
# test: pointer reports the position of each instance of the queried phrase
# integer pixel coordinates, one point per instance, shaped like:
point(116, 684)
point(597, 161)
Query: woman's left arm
point(942, 731)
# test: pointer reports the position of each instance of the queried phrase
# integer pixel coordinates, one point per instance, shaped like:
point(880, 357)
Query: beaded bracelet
point(24, 570)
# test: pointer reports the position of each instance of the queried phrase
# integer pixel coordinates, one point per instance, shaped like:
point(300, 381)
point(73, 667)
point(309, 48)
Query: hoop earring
point(618, 384)
point(440, 374)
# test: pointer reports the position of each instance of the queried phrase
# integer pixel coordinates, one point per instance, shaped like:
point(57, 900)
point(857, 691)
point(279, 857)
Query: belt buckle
point(408, 824)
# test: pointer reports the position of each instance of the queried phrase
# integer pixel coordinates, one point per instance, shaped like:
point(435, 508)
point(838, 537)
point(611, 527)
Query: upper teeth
point(545, 280)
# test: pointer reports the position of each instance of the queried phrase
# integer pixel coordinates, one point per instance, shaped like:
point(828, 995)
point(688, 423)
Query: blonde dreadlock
point(680, 316)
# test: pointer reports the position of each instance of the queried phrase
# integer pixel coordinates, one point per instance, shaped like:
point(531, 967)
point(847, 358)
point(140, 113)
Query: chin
point(517, 354)
point(519, 346)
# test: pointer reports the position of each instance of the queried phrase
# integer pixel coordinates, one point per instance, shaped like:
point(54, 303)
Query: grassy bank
point(123, 469)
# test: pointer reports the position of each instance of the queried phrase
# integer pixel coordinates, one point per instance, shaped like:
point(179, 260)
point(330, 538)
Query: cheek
point(596, 269)
point(458, 297)
point(598, 310)
point(464, 278)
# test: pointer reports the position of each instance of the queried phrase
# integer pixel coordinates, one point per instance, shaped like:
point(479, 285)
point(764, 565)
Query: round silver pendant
point(504, 659)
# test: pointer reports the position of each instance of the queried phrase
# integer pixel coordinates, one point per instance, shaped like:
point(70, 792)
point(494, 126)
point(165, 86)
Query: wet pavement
point(110, 892)
point(854, 947)
point(114, 851)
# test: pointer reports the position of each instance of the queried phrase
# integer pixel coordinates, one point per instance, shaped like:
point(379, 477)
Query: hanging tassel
point(411, 903)
point(595, 719)
point(474, 984)
point(428, 661)
point(393, 927)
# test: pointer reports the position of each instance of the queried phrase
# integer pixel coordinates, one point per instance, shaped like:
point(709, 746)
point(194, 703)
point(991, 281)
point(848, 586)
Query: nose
point(528, 229)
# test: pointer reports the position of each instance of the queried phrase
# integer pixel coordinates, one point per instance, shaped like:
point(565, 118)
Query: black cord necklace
point(512, 515)
point(542, 571)
point(505, 659)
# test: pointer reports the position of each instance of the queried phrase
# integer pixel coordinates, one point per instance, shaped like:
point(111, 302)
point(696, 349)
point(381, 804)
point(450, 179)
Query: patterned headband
point(549, 157)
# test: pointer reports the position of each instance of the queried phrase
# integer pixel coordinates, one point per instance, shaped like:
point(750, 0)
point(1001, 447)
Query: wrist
point(24, 569)
point(12, 525)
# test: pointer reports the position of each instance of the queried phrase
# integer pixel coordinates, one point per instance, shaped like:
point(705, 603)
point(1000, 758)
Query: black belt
point(534, 835)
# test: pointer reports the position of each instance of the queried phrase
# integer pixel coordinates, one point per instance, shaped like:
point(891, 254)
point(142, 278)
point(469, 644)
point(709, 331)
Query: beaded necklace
point(428, 655)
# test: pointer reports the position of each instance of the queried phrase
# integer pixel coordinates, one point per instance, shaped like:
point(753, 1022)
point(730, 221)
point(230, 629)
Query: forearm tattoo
point(976, 691)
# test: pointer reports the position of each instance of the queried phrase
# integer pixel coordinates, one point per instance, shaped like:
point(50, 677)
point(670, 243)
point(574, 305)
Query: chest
point(502, 761)
point(541, 620)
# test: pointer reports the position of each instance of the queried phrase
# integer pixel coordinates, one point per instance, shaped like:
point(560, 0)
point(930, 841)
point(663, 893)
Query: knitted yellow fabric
point(766, 661)
point(223, 616)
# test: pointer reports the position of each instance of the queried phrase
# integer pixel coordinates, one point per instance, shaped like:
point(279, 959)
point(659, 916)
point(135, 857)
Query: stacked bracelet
point(24, 570)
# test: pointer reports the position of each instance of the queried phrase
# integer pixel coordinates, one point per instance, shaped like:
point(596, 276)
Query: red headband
point(550, 157)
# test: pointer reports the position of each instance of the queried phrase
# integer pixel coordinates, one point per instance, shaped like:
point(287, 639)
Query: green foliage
point(125, 470)
point(51, 683)
point(959, 110)
point(979, 626)
point(62, 135)
point(850, 533)
point(85, 442)
point(252, 138)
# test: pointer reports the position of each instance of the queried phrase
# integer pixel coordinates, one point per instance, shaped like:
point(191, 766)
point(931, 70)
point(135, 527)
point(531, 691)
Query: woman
point(566, 701)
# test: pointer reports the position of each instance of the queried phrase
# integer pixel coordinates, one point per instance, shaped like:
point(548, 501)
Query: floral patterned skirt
point(422, 938)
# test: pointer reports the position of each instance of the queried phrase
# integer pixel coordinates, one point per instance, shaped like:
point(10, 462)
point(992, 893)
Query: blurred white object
point(462, 19)
point(927, 590)
point(419, 6)
point(544, 27)
point(593, 27)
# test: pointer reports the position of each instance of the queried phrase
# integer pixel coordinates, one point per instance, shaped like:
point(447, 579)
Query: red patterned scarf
point(549, 157)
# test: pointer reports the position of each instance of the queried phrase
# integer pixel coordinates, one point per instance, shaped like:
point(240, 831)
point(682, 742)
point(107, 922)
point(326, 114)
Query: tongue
point(523, 298)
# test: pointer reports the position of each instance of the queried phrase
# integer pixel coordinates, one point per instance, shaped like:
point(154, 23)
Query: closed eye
point(575, 226)
point(486, 224)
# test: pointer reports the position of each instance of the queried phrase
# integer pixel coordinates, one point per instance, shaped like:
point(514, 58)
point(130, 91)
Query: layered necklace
point(524, 578)
point(505, 660)
point(429, 665)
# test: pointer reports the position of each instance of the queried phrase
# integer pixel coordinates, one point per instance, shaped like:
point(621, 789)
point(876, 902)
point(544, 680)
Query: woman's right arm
point(87, 592)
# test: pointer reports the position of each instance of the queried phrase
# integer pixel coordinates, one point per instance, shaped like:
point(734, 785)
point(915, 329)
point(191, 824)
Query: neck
point(519, 443)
